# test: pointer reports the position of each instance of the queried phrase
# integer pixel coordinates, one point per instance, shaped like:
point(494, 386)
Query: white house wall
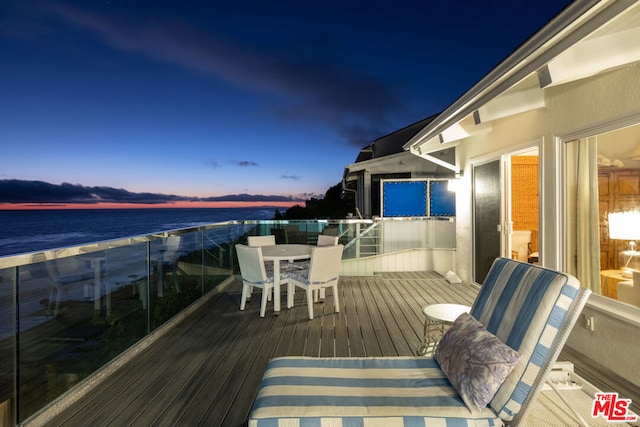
point(419, 259)
point(433, 233)
point(570, 109)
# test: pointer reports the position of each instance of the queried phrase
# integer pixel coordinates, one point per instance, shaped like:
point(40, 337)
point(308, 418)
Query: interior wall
point(617, 146)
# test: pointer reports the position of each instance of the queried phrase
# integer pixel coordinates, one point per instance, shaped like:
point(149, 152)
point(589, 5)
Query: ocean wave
point(23, 244)
point(32, 231)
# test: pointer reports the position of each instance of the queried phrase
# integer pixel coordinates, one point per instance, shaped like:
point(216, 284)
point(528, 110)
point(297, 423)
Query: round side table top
point(445, 312)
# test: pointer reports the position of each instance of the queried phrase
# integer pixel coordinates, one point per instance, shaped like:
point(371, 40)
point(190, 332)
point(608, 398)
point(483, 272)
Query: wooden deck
point(206, 370)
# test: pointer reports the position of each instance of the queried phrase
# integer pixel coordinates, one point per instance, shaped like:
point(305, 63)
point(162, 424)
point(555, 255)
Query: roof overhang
point(586, 38)
point(395, 162)
point(389, 160)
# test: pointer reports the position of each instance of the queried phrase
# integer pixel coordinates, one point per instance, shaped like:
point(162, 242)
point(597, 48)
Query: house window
point(603, 178)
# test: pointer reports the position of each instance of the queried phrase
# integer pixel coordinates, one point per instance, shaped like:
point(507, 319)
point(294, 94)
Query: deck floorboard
point(207, 369)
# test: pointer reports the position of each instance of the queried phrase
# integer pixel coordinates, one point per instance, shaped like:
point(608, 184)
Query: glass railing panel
point(332, 229)
point(303, 232)
point(7, 340)
point(185, 265)
point(219, 261)
point(361, 239)
point(120, 299)
point(171, 289)
point(80, 307)
point(76, 313)
point(55, 322)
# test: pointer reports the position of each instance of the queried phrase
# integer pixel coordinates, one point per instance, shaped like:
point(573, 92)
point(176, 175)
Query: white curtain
point(583, 234)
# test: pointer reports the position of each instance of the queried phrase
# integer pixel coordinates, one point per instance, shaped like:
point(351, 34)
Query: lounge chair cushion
point(475, 361)
point(393, 391)
point(524, 306)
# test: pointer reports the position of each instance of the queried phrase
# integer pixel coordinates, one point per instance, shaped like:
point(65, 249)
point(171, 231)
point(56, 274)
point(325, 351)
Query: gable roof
point(392, 143)
point(584, 39)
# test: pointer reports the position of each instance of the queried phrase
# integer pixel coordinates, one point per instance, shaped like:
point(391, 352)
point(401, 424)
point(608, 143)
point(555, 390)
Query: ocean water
point(29, 231)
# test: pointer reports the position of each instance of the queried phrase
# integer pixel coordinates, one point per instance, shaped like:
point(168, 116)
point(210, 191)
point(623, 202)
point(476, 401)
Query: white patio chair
point(255, 241)
point(324, 240)
point(323, 272)
point(165, 261)
point(61, 283)
point(253, 275)
point(59, 286)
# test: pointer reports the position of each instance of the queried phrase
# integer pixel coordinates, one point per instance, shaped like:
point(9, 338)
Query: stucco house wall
point(576, 109)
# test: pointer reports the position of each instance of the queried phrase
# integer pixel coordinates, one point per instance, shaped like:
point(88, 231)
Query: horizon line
point(113, 205)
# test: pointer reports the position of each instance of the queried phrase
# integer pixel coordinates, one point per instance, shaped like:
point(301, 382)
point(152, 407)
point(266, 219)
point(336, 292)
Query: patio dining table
point(285, 252)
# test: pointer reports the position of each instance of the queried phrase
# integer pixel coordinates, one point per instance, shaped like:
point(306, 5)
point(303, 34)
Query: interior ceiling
point(620, 147)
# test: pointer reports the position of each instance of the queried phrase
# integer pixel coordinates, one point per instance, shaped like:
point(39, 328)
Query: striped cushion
point(394, 391)
point(523, 305)
point(269, 279)
point(302, 276)
point(297, 275)
point(296, 265)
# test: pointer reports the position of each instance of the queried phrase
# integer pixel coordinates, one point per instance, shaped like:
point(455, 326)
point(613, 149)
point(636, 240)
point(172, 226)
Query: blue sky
point(204, 99)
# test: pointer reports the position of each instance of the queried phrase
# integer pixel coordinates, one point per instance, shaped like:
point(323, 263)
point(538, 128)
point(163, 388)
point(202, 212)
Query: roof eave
point(365, 164)
point(568, 27)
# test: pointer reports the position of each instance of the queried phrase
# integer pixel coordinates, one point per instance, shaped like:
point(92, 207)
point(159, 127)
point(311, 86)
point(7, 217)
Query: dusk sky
point(154, 100)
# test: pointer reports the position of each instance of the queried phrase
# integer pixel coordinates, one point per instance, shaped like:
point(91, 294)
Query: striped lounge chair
point(529, 308)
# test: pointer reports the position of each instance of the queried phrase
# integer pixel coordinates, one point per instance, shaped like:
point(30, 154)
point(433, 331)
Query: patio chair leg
point(310, 302)
point(263, 304)
point(243, 298)
point(290, 295)
point(336, 302)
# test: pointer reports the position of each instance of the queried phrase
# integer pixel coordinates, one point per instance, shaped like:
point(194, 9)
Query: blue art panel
point(404, 198)
point(442, 201)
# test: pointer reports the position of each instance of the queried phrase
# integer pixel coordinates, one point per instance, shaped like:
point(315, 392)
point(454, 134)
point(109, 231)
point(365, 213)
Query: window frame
point(611, 307)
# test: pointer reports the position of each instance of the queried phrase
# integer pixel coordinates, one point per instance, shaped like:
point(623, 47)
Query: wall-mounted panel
point(417, 198)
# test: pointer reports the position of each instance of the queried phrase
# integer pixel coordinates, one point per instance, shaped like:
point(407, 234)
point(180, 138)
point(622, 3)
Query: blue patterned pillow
point(475, 361)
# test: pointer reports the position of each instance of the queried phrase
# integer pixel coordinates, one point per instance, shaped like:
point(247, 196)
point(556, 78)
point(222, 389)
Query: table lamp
point(626, 226)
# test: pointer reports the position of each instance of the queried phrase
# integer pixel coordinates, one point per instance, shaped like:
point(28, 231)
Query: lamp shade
point(624, 225)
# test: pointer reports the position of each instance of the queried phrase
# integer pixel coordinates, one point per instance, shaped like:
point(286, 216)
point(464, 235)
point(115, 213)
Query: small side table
point(438, 318)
